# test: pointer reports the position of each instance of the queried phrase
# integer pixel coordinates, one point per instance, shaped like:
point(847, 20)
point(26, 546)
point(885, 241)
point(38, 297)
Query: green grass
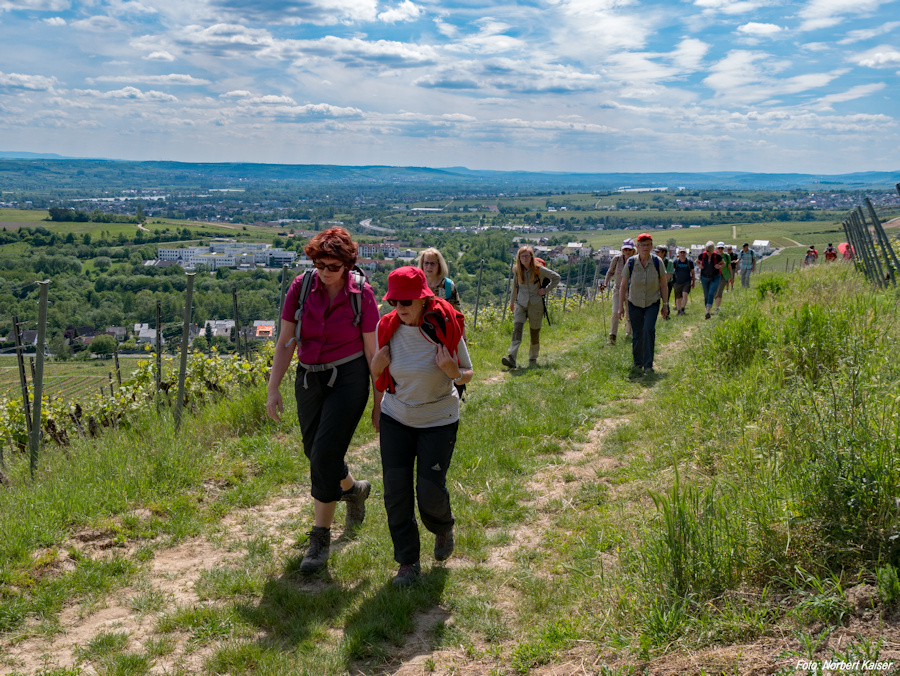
point(69, 379)
point(725, 510)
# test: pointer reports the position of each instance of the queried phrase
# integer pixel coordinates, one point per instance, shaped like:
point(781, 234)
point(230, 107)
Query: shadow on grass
point(295, 607)
point(386, 619)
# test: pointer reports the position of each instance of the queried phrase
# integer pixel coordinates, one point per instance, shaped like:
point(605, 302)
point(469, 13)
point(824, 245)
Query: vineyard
point(80, 399)
point(68, 379)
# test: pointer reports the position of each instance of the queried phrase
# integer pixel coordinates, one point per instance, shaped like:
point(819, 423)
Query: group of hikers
point(830, 253)
point(416, 359)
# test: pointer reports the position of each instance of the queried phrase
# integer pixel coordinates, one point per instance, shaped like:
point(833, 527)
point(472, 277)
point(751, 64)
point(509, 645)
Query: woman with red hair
point(335, 345)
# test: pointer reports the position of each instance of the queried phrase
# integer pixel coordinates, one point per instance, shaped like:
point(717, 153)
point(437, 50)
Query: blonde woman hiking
point(432, 262)
point(531, 282)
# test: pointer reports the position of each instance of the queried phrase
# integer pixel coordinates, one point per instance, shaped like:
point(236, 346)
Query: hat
point(407, 283)
point(628, 244)
point(644, 236)
point(720, 244)
point(681, 249)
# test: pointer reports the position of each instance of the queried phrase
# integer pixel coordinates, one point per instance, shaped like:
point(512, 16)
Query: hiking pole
point(544, 284)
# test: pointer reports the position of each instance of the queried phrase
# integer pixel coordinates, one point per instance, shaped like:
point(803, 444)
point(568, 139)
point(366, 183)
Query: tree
point(103, 345)
point(200, 343)
point(209, 334)
point(102, 262)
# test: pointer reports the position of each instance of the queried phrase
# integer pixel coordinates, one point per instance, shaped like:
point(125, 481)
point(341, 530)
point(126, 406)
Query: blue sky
point(550, 85)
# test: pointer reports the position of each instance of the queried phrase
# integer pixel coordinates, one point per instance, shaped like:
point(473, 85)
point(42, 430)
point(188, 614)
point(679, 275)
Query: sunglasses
point(331, 267)
point(404, 303)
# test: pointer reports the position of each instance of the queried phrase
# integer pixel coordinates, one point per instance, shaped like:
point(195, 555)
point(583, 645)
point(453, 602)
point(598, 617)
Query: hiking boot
point(508, 362)
point(707, 314)
point(532, 362)
point(407, 575)
point(443, 545)
point(612, 339)
point(681, 311)
point(356, 503)
point(648, 371)
point(317, 554)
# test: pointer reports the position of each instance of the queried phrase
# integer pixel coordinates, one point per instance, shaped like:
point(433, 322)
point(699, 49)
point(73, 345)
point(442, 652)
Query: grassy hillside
point(734, 512)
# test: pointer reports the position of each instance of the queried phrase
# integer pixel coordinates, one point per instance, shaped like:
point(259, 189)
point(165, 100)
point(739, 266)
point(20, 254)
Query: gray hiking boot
point(319, 548)
point(508, 362)
point(356, 503)
point(407, 575)
point(443, 545)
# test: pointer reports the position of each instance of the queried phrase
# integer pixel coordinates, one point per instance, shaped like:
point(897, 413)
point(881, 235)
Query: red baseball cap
point(407, 283)
point(643, 236)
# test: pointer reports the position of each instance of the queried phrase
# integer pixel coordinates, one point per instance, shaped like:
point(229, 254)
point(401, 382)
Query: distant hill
point(118, 173)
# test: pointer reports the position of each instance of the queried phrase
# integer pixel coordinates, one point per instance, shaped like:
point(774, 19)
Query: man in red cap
point(648, 286)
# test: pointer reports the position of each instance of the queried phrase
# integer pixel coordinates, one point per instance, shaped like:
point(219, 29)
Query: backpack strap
point(655, 264)
point(305, 286)
point(448, 288)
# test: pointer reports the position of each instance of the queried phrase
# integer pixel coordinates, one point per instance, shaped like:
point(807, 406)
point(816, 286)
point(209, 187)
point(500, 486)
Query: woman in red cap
point(335, 345)
point(421, 356)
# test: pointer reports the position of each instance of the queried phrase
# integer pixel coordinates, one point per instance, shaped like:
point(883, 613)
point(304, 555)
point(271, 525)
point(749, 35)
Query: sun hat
point(720, 244)
point(644, 236)
point(407, 283)
point(628, 244)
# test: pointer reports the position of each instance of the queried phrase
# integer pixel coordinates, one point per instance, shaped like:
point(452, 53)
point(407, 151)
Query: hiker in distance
point(331, 314)
point(531, 282)
point(648, 286)
point(684, 278)
point(710, 263)
point(726, 275)
point(614, 274)
point(421, 357)
point(436, 271)
point(747, 259)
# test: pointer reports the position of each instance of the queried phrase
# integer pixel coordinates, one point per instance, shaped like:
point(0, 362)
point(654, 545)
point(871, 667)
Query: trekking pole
point(594, 289)
point(39, 377)
point(185, 335)
point(544, 284)
point(478, 295)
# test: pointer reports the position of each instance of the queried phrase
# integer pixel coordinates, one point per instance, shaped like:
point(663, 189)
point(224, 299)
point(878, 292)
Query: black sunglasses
point(331, 267)
point(404, 303)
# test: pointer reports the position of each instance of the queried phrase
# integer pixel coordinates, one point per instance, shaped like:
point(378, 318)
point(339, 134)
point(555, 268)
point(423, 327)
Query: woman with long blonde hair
point(531, 282)
point(432, 262)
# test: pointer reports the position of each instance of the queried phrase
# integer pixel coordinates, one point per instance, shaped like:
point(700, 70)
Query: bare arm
point(281, 361)
point(370, 346)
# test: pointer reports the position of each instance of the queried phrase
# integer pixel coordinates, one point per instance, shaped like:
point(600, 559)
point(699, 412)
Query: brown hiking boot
point(356, 503)
point(316, 556)
point(612, 339)
point(444, 545)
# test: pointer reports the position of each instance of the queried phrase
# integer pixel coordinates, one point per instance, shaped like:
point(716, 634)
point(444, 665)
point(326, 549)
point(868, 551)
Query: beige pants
point(534, 314)
point(614, 320)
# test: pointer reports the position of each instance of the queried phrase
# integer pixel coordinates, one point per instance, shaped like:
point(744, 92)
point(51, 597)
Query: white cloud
point(226, 37)
point(405, 11)
point(869, 33)
point(730, 6)
point(361, 52)
point(171, 79)
point(820, 14)
point(30, 82)
point(160, 55)
point(760, 29)
point(34, 5)
point(851, 94)
point(129, 93)
point(55, 21)
point(99, 24)
point(884, 56)
point(271, 99)
point(292, 12)
point(747, 77)
point(688, 55)
point(585, 28)
point(236, 94)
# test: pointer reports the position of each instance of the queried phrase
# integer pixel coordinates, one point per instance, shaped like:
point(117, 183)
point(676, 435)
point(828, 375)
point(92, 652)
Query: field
point(68, 379)
point(726, 515)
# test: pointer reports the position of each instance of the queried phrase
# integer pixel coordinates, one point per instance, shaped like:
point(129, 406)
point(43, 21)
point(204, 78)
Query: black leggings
point(328, 418)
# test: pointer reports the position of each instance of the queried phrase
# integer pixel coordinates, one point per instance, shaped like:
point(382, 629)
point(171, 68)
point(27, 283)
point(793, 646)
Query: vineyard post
point(237, 321)
point(110, 383)
point(506, 298)
point(478, 295)
point(158, 344)
point(889, 256)
point(39, 376)
point(118, 370)
point(23, 381)
point(786, 261)
point(857, 215)
point(859, 258)
point(31, 363)
point(185, 337)
point(594, 288)
point(861, 249)
point(582, 272)
point(284, 273)
point(568, 279)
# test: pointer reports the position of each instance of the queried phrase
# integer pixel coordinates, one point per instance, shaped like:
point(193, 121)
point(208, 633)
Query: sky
point(536, 85)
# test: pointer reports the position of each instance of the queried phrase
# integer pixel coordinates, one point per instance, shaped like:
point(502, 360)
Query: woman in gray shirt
point(421, 357)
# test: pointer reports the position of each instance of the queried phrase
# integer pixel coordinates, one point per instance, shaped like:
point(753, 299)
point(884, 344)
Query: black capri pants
point(328, 418)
